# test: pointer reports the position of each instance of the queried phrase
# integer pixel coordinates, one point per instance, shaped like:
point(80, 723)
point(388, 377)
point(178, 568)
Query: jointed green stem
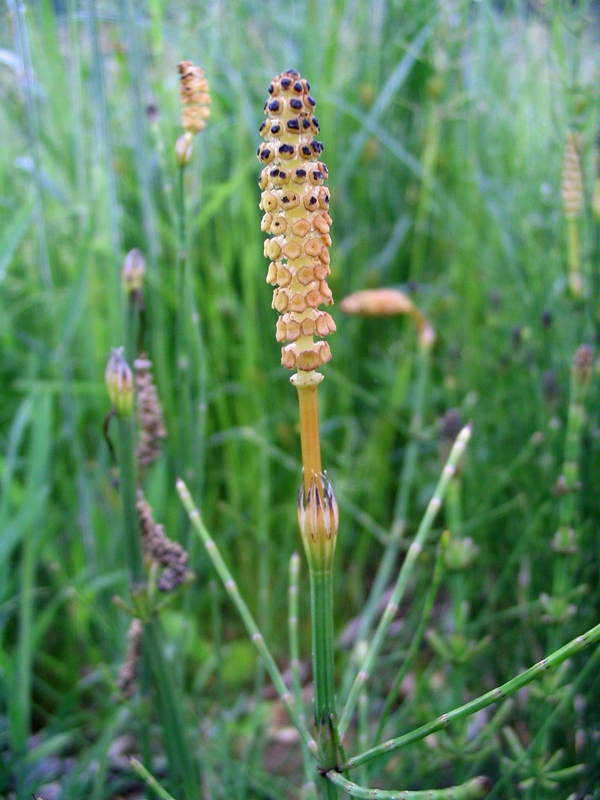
point(150, 780)
point(171, 713)
point(570, 472)
point(566, 538)
point(309, 765)
point(181, 259)
point(128, 489)
point(471, 790)
point(293, 631)
point(145, 712)
point(402, 580)
point(181, 345)
point(133, 328)
point(575, 280)
point(505, 690)
point(189, 355)
point(321, 598)
point(244, 612)
point(322, 629)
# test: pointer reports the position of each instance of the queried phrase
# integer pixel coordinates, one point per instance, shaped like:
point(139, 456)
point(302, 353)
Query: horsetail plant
point(145, 638)
point(189, 345)
point(295, 203)
point(572, 200)
point(557, 607)
point(195, 108)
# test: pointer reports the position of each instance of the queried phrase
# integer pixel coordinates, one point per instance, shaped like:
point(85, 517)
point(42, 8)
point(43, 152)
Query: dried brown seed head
point(130, 669)
point(159, 548)
point(149, 414)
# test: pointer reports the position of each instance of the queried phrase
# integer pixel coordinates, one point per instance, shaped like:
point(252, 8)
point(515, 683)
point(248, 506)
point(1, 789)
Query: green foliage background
point(444, 126)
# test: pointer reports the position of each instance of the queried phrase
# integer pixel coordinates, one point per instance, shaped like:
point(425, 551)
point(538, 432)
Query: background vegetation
point(444, 126)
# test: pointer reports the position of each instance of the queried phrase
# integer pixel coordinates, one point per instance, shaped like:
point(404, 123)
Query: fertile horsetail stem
point(296, 218)
point(572, 199)
point(195, 109)
point(295, 202)
point(572, 180)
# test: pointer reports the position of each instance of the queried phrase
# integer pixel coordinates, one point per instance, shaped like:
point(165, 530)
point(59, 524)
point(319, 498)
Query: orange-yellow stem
point(309, 432)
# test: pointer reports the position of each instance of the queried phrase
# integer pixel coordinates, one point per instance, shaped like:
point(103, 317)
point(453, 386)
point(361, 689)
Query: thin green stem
point(145, 690)
point(363, 732)
point(102, 170)
point(171, 713)
point(573, 256)
point(138, 87)
point(505, 690)
point(565, 542)
point(453, 513)
point(22, 46)
point(149, 779)
point(76, 98)
point(322, 640)
point(309, 767)
point(132, 327)
point(321, 600)
point(184, 412)
point(128, 488)
point(471, 790)
point(244, 612)
point(189, 354)
point(217, 627)
point(181, 251)
point(38, 469)
point(428, 163)
point(403, 577)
